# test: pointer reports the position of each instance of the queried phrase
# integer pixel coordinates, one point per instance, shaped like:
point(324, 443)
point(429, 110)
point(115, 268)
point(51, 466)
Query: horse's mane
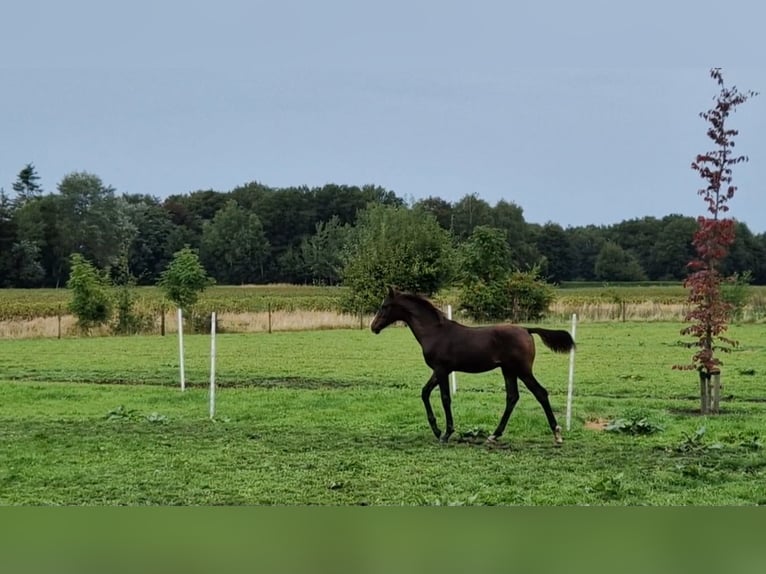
point(424, 303)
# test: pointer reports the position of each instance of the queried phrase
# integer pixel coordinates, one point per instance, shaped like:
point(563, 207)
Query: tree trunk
point(710, 392)
point(715, 395)
point(704, 392)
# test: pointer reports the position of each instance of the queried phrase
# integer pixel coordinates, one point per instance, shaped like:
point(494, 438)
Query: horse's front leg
point(425, 394)
point(447, 405)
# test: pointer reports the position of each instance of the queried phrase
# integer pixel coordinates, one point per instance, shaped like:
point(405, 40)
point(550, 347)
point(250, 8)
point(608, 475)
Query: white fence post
point(453, 377)
point(212, 365)
point(570, 387)
point(181, 348)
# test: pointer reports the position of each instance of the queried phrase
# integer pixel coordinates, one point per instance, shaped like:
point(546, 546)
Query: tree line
point(258, 234)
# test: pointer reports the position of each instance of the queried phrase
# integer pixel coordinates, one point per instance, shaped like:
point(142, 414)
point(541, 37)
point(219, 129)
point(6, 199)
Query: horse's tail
point(557, 340)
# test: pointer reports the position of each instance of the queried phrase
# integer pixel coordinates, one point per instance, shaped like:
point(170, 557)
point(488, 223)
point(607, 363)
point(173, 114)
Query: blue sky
point(581, 112)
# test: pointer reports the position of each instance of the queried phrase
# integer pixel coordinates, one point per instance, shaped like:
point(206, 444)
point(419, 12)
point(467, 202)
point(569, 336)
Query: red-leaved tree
point(715, 234)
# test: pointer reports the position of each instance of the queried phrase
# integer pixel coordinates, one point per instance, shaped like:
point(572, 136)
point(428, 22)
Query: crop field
point(32, 303)
point(335, 418)
point(30, 313)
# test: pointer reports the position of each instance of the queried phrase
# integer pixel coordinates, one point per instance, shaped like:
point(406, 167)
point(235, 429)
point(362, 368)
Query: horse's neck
point(421, 323)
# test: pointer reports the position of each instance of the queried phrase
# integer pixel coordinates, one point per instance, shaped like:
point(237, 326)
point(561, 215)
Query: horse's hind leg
point(447, 405)
point(511, 398)
point(425, 394)
point(542, 397)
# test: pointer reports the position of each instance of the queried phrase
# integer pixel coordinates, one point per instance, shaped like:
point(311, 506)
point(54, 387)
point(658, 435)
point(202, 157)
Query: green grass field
point(335, 417)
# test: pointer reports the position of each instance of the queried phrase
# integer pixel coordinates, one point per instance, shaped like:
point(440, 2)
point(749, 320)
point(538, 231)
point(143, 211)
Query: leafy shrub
point(634, 422)
point(694, 442)
point(129, 319)
point(736, 293)
point(91, 302)
point(520, 296)
point(530, 296)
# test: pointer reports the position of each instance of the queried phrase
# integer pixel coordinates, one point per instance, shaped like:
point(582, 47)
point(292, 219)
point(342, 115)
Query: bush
point(519, 296)
point(91, 302)
point(736, 292)
point(129, 320)
point(530, 296)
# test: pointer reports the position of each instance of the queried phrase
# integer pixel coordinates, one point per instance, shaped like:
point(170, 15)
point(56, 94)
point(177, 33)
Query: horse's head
point(389, 312)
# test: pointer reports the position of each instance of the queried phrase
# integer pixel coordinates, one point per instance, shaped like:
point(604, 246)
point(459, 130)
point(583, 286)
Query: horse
point(450, 346)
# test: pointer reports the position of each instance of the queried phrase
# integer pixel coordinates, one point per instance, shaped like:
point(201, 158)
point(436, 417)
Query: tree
point(484, 264)
point(440, 208)
point(398, 246)
point(485, 256)
point(637, 237)
point(322, 253)
point(92, 221)
point(510, 218)
point(184, 279)
point(672, 248)
point(712, 240)
point(615, 264)
point(38, 223)
point(26, 186)
point(489, 289)
point(7, 239)
point(149, 251)
point(234, 248)
point(24, 264)
point(128, 320)
point(553, 244)
point(468, 213)
point(586, 244)
point(90, 303)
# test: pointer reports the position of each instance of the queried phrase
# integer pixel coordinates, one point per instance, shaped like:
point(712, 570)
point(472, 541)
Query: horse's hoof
point(444, 438)
point(491, 439)
point(557, 438)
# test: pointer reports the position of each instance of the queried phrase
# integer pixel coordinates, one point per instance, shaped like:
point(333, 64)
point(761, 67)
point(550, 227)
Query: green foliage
point(736, 292)
point(489, 290)
point(121, 413)
point(234, 247)
point(394, 246)
point(634, 422)
point(521, 296)
point(91, 302)
point(26, 186)
point(129, 319)
point(24, 260)
point(612, 487)
point(91, 220)
point(529, 296)
point(322, 253)
point(468, 213)
point(484, 257)
point(694, 442)
point(184, 279)
point(613, 263)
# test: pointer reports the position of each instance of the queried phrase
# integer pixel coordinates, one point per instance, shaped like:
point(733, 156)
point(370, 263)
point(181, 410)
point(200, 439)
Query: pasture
point(335, 418)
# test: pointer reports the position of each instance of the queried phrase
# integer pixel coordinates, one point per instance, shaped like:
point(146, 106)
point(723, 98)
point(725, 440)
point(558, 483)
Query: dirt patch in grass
point(596, 424)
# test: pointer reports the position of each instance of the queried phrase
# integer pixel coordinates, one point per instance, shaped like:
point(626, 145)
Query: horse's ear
point(392, 291)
